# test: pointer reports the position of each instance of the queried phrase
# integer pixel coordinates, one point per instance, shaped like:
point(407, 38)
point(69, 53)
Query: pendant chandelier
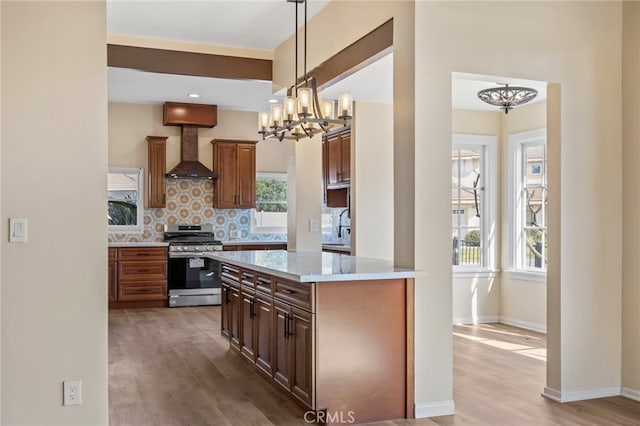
point(507, 97)
point(302, 114)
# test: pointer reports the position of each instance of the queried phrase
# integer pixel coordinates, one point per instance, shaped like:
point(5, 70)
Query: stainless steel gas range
point(194, 279)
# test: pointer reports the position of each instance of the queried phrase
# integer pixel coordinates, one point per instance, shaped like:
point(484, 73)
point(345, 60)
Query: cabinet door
point(113, 281)
point(282, 361)
point(345, 158)
point(235, 318)
point(301, 383)
point(246, 176)
point(333, 161)
point(248, 325)
point(225, 164)
point(264, 333)
point(157, 171)
point(225, 308)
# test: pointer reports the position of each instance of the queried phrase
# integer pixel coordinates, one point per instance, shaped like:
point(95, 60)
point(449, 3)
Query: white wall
point(582, 55)
point(631, 206)
point(53, 172)
point(372, 181)
point(130, 124)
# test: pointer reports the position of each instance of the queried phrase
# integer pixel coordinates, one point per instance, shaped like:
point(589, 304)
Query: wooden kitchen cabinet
point(156, 179)
point(138, 277)
point(337, 173)
point(263, 319)
point(235, 163)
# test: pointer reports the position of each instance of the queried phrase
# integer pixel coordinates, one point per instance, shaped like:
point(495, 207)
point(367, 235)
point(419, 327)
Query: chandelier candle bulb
point(276, 115)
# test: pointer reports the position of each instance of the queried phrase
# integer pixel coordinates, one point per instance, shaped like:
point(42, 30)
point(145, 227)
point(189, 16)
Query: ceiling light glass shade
point(263, 122)
point(290, 108)
point(345, 106)
point(507, 97)
point(276, 116)
point(327, 109)
point(305, 98)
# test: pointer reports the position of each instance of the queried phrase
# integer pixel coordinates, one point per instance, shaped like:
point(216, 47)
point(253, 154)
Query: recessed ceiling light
point(194, 95)
point(273, 101)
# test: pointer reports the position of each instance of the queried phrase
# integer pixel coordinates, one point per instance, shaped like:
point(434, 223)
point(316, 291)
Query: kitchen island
point(334, 332)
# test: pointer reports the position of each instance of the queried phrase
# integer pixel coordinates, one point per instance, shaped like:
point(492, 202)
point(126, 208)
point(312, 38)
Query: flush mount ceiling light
point(194, 95)
point(507, 97)
point(301, 114)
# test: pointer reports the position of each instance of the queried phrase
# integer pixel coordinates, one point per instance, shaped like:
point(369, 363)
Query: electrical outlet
point(72, 392)
point(233, 234)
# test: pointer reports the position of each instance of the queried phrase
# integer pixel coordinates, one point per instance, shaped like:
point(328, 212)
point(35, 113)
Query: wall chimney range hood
point(189, 117)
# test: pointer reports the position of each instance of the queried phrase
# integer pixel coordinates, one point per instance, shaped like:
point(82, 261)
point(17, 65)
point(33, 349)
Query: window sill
point(540, 277)
point(475, 273)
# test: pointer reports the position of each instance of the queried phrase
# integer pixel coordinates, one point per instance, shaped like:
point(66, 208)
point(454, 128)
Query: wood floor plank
point(171, 367)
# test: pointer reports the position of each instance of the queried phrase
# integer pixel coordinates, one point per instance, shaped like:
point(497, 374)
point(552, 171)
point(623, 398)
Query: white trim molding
point(534, 326)
point(580, 395)
point(434, 409)
point(630, 393)
point(485, 319)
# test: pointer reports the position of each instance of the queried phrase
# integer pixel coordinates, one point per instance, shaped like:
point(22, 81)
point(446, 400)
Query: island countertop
point(311, 266)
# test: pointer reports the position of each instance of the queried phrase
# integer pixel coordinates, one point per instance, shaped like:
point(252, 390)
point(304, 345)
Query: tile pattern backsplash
point(190, 201)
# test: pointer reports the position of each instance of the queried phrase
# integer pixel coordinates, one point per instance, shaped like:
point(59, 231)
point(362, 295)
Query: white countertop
point(138, 244)
point(251, 243)
point(314, 266)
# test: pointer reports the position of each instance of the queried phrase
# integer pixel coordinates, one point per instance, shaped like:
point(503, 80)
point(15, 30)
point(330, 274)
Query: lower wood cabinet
point(137, 277)
point(268, 331)
point(314, 340)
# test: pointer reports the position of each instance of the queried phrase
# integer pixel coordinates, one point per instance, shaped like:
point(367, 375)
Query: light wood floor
point(171, 367)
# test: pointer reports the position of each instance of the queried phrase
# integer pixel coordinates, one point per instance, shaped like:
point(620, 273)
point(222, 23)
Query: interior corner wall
point(522, 303)
point(372, 180)
point(631, 197)
point(584, 57)
point(1, 235)
point(53, 172)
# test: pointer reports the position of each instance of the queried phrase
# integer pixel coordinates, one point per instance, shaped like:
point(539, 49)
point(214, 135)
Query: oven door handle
point(179, 255)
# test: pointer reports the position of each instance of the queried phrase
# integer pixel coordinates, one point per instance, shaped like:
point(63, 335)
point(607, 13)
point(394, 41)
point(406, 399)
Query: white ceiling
point(234, 23)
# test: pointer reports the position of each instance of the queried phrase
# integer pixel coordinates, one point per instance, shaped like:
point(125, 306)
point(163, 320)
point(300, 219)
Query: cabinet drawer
point(146, 291)
point(248, 278)
point(142, 271)
point(294, 293)
point(264, 283)
point(113, 254)
point(142, 253)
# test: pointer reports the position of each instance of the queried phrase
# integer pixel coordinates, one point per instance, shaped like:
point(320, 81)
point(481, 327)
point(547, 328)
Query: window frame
point(488, 206)
point(255, 229)
point(139, 227)
point(517, 170)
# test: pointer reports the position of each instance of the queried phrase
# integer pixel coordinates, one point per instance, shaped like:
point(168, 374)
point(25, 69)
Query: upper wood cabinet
point(235, 163)
point(157, 171)
point(337, 173)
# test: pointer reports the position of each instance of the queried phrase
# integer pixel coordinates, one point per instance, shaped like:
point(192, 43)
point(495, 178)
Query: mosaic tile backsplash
point(190, 201)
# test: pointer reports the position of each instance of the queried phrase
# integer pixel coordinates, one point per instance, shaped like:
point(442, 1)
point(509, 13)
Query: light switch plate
point(17, 230)
point(313, 225)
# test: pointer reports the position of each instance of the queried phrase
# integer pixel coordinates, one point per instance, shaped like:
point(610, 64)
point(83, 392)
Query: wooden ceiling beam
point(188, 63)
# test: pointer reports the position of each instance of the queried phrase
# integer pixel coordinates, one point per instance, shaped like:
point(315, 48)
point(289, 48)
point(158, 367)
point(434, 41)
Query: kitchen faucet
point(340, 225)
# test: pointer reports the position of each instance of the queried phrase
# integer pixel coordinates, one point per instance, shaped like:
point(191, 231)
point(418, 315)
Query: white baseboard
point(630, 393)
point(570, 396)
point(434, 409)
point(477, 320)
point(534, 326)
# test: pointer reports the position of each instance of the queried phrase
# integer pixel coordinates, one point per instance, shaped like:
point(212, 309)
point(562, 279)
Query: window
point(529, 193)
point(473, 201)
point(270, 214)
point(124, 201)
